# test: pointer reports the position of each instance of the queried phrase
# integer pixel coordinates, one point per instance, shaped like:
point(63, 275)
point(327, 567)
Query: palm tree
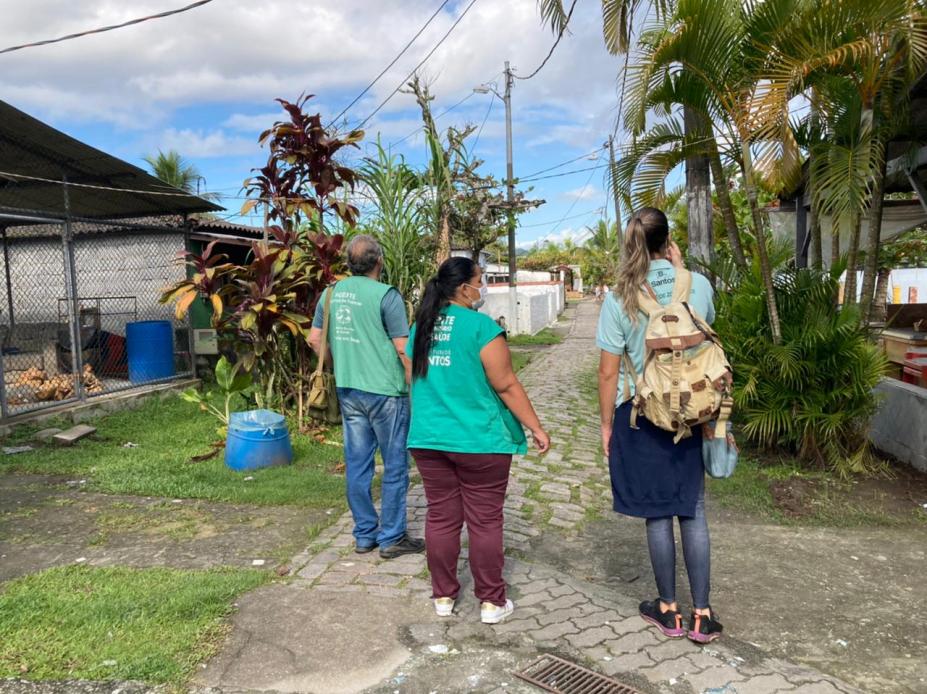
point(174, 170)
point(617, 27)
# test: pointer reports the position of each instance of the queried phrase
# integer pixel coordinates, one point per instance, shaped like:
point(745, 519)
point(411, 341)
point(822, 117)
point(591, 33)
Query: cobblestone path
point(557, 493)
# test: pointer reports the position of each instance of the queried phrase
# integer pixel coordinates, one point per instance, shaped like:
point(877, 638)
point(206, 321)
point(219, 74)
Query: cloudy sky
point(204, 83)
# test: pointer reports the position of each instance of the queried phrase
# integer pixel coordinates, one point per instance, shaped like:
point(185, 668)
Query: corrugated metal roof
point(140, 225)
point(29, 147)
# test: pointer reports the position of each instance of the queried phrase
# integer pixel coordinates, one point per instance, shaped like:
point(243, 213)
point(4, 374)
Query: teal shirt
point(364, 355)
point(616, 332)
point(454, 407)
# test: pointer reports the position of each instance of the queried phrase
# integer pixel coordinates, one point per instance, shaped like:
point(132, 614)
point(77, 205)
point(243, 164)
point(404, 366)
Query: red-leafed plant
point(265, 308)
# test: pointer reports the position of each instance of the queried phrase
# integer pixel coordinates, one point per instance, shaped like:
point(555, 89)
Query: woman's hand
point(606, 437)
point(674, 255)
point(541, 440)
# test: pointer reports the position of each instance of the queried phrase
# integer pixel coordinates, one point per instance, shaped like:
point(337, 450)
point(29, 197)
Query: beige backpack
point(686, 379)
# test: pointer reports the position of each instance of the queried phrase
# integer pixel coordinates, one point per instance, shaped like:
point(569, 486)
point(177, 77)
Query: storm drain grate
point(554, 674)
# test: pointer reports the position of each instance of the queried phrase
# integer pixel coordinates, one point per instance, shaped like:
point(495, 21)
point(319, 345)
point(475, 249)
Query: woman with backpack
point(468, 410)
point(656, 474)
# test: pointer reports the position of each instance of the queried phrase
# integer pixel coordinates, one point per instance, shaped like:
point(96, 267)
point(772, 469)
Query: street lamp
point(509, 184)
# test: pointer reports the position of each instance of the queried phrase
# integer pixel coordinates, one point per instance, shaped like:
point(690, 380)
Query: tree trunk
point(870, 269)
point(835, 243)
point(698, 192)
point(879, 310)
point(443, 251)
point(727, 207)
point(763, 252)
point(849, 291)
point(817, 253)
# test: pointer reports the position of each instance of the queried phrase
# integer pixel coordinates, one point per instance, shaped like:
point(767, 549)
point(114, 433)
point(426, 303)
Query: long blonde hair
point(647, 233)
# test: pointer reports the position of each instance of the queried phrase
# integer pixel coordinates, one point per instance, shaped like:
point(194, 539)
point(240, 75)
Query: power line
point(479, 132)
point(160, 15)
point(548, 223)
point(443, 113)
point(393, 62)
point(423, 61)
point(570, 208)
point(565, 173)
point(564, 163)
point(552, 48)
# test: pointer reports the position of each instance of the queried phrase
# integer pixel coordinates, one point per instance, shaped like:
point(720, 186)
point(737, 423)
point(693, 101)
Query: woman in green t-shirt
point(468, 410)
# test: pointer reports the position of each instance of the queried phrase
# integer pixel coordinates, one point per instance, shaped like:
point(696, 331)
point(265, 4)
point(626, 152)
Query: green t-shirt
point(364, 355)
point(454, 407)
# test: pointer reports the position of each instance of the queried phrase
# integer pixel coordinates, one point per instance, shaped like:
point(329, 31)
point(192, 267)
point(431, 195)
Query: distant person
point(466, 407)
point(368, 331)
point(598, 293)
point(652, 477)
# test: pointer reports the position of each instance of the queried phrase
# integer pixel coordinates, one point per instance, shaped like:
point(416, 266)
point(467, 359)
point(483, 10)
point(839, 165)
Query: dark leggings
point(696, 549)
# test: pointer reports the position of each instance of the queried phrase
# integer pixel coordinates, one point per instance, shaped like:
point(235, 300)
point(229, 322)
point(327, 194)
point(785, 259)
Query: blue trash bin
point(150, 350)
point(256, 439)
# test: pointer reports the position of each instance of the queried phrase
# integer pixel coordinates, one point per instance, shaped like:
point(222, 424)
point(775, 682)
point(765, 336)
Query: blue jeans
point(372, 421)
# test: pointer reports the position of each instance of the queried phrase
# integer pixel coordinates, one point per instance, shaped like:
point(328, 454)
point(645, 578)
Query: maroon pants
point(464, 487)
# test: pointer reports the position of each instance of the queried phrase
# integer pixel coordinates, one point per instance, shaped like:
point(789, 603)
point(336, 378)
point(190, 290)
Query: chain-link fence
point(79, 311)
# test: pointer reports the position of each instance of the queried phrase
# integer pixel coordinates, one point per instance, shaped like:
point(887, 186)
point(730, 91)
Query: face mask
point(476, 305)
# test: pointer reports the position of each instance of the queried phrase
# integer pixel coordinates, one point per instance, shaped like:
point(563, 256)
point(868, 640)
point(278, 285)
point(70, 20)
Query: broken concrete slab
point(71, 436)
point(46, 434)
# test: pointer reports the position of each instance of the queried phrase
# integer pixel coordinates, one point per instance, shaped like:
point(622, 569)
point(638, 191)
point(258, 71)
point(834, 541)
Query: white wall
point(538, 306)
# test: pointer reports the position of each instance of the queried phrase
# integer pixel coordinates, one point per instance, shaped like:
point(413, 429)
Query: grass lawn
point(152, 625)
point(520, 360)
point(544, 337)
point(167, 433)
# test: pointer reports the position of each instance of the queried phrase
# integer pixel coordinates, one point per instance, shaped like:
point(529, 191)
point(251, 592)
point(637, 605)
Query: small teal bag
point(719, 455)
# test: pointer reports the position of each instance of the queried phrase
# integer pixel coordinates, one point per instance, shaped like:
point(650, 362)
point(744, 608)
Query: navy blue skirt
point(652, 477)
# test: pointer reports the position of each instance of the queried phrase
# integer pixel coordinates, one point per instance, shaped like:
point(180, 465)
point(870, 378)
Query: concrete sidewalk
point(350, 623)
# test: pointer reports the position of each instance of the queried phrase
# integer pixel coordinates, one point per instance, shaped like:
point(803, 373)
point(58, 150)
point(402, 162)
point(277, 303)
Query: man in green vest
point(368, 331)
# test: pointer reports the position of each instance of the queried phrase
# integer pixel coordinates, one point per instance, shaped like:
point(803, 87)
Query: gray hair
point(363, 253)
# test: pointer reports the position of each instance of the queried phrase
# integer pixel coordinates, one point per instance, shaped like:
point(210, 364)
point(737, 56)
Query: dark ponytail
point(438, 293)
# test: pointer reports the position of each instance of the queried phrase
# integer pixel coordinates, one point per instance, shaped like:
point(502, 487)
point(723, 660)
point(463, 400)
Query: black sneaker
point(704, 628)
point(406, 545)
point(669, 622)
point(364, 549)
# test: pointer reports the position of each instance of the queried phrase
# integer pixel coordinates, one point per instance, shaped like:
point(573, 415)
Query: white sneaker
point(444, 607)
point(493, 614)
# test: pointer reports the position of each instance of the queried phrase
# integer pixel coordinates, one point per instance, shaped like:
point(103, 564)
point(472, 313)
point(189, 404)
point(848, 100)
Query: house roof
point(214, 228)
point(35, 158)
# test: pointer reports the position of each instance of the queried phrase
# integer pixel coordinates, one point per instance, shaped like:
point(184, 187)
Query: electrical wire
point(479, 132)
point(552, 48)
point(576, 200)
point(160, 15)
point(558, 175)
point(393, 62)
point(443, 113)
point(568, 161)
point(423, 61)
point(548, 223)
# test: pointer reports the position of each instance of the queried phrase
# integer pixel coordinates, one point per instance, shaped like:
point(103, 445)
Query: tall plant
point(399, 220)
point(264, 308)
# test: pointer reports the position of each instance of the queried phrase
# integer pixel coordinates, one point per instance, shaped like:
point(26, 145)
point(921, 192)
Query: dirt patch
point(837, 599)
point(48, 521)
point(897, 500)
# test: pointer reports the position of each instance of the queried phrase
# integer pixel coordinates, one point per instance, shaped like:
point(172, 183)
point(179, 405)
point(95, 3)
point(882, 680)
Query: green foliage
point(812, 393)
point(148, 625)
point(232, 383)
point(400, 222)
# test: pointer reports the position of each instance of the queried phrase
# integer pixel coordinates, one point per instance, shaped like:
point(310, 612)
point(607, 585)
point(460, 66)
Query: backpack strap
point(682, 285)
point(647, 299)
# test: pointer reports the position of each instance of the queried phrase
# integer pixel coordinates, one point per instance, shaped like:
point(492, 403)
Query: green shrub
point(812, 394)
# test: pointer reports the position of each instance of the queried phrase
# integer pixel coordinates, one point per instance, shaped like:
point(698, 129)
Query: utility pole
point(611, 180)
point(510, 197)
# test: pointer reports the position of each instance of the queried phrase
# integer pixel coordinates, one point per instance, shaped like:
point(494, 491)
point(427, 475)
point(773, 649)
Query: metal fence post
point(191, 343)
point(70, 281)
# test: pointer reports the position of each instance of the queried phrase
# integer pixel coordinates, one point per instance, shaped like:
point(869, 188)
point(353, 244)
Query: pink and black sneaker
point(704, 628)
point(669, 622)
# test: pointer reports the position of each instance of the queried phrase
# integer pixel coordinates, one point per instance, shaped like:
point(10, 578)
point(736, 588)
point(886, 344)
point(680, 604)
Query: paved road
point(592, 623)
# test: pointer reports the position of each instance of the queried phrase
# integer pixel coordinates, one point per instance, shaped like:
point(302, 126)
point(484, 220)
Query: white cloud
point(206, 144)
point(254, 123)
point(586, 192)
point(577, 236)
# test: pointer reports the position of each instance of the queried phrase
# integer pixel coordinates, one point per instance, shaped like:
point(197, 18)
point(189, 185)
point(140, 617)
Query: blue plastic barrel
point(150, 347)
point(256, 439)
